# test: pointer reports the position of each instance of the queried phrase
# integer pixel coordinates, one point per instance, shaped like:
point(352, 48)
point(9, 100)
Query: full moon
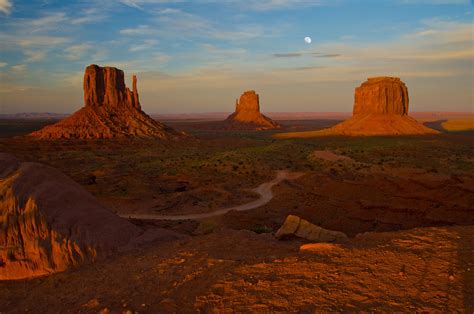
point(307, 40)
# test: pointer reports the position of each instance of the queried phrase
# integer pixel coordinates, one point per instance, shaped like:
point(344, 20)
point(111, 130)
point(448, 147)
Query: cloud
point(47, 22)
point(3, 64)
point(91, 15)
point(301, 54)
point(19, 68)
point(6, 6)
point(147, 44)
point(267, 5)
point(139, 30)
point(326, 55)
point(435, 2)
point(76, 52)
point(184, 25)
point(34, 55)
point(287, 55)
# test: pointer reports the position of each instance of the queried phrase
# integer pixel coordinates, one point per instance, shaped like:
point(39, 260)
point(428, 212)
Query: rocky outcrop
point(247, 114)
point(49, 223)
point(380, 108)
point(111, 111)
point(294, 226)
point(381, 95)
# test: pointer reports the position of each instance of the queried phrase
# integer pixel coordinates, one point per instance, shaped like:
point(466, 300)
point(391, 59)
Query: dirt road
point(264, 190)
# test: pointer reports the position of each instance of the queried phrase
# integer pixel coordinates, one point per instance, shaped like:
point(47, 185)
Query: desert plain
point(404, 202)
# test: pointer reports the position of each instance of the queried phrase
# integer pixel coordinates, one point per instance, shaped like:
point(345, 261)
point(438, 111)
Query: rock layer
point(49, 223)
point(111, 111)
point(247, 113)
point(380, 108)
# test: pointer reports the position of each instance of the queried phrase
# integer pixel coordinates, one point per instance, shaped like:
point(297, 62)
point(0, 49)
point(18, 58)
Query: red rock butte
point(380, 108)
point(111, 111)
point(247, 114)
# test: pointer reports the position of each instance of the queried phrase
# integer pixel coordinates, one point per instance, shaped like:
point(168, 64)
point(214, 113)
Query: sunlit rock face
point(49, 223)
point(247, 113)
point(111, 111)
point(381, 95)
point(105, 86)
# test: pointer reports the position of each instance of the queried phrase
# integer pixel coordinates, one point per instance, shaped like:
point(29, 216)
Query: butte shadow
point(380, 108)
point(111, 110)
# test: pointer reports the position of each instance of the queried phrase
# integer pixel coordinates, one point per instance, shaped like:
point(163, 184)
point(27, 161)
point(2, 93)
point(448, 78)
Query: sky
point(200, 55)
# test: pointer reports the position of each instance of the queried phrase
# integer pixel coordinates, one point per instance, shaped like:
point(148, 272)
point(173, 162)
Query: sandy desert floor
point(406, 203)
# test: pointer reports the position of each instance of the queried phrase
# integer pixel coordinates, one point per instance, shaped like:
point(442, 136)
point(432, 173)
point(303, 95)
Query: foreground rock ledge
point(49, 223)
point(111, 110)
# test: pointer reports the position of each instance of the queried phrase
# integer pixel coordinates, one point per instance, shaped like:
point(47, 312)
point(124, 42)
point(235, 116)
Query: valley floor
point(405, 202)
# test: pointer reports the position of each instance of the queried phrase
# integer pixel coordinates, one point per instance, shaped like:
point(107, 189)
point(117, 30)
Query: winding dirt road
point(264, 190)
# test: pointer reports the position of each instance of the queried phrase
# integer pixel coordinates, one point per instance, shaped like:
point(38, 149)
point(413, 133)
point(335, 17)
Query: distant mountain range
point(209, 116)
point(34, 116)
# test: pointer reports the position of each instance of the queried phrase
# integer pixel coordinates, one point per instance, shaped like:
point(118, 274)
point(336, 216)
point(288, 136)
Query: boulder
point(49, 223)
point(294, 226)
point(247, 114)
point(111, 110)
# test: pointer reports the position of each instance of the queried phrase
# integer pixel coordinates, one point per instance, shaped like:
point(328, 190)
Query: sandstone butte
point(247, 114)
point(111, 110)
point(49, 223)
point(380, 108)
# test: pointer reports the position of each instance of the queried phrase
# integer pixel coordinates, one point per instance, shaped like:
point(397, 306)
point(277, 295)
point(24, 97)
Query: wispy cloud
point(287, 55)
point(435, 2)
point(145, 45)
point(34, 55)
point(302, 54)
point(19, 68)
point(76, 52)
point(89, 16)
point(6, 6)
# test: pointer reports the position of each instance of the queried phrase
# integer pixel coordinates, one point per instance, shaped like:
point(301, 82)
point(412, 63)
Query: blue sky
point(198, 56)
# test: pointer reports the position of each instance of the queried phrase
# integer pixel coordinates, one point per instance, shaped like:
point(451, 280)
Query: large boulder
point(111, 111)
point(49, 223)
point(294, 226)
point(247, 114)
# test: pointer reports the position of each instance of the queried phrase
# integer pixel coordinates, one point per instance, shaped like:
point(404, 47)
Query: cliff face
point(381, 95)
point(247, 114)
point(249, 101)
point(111, 110)
point(106, 87)
point(49, 223)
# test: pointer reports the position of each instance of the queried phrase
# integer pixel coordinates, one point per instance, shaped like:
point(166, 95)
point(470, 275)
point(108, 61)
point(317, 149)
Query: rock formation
point(381, 95)
point(111, 110)
point(294, 226)
point(247, 114)
point(49, 223)
point(380, 108)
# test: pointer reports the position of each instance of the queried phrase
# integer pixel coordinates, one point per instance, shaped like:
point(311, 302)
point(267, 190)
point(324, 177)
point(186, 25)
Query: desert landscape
point(111, 208)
